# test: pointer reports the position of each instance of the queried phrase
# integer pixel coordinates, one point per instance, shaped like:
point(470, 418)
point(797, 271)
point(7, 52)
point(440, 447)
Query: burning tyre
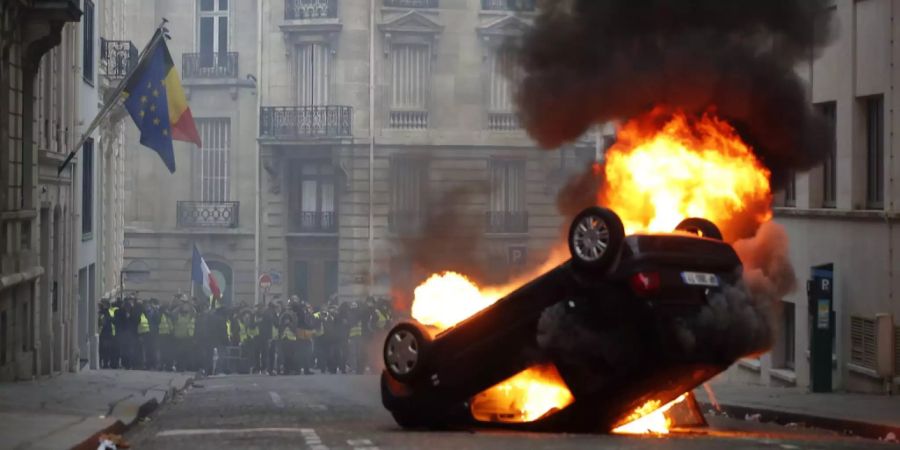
point(621, 323)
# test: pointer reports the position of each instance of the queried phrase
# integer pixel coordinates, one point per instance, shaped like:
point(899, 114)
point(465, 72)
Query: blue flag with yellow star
point(158, 106)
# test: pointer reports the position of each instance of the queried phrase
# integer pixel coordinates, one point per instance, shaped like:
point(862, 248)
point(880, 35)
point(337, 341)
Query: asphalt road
point(321, 412)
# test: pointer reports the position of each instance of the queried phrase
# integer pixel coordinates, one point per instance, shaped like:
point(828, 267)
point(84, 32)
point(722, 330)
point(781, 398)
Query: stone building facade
point(846, 211)
point(357, 144)
point(38, 91)
point(210, 199)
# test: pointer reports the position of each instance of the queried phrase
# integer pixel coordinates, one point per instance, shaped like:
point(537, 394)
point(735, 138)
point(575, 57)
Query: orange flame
point(667, 167)
point(525, 397)
point(649, 418)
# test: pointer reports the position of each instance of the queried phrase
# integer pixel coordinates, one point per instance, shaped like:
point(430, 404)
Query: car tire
point(406, 351)
point(700, 227)
point(595, 239)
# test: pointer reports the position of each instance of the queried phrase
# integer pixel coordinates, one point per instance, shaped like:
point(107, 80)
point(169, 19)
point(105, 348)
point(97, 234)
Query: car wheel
point(700, 227)
point(595, 239)
point(406, 351)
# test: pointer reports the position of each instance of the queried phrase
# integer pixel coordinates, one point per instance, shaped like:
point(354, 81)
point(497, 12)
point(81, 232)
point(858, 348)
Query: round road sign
point(265, 281)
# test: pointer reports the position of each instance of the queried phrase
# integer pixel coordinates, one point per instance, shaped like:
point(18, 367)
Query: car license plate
point(700, 279)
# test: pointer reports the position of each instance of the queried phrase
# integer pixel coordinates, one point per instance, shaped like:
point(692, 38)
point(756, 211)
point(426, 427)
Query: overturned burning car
point(625, 321)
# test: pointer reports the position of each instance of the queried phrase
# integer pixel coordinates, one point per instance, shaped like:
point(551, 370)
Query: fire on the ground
point(658, 173)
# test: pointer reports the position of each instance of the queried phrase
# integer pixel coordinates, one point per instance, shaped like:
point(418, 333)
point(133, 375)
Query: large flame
point(649, 418)
point(525, 397)
point(667, 167)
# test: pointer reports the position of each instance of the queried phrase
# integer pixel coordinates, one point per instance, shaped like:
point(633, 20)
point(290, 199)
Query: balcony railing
point(507, 221)
point(410, 120)
point(310, 9)
point(208, 214)
point(406, 222)
point(117, 58)
point(412, 3)
point(314, 222)
point(209, 65)
point(503, 121)
point(298, 122)
point(508, 5)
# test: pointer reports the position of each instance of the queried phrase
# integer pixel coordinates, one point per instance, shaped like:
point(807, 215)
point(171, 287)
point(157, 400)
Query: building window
point(409, 194)
point(411, 76)
point(300, 280)
point(313, 205)
point(87, 189)
point(503, 71)
point(788, 330)
point(829, 166)
point(87, 25)
point(862, 342)
point(214, 159)
point(313, 74)
point(506, 211)
point(874, 152)
point(213, 31)
point(790, 190)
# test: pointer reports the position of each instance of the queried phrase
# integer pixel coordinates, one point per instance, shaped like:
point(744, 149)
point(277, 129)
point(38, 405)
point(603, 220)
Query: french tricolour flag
point(201, 274)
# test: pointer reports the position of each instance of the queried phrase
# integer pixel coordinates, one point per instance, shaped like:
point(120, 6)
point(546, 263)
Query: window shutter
point(862, 342)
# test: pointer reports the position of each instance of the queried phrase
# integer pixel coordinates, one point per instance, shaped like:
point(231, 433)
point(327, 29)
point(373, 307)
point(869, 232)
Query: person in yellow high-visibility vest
point(249, 332)
point(107, 333)
point(289, 343)
point(166, 340)
point(183, 333)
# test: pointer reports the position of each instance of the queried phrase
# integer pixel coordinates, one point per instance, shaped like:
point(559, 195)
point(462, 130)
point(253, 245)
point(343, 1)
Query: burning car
point(625, 321)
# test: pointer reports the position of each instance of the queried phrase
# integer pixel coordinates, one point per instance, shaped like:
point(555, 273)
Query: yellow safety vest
point(356, 331)
point(144, 326)
point(228, 329)
point(382, 320)
point(184, 326)
point(289, 334)
point(165, 325)
point(112, 319)
point(320, 330)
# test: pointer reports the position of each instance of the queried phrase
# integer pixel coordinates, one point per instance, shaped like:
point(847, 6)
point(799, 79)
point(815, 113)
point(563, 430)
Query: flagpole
point(113, 101)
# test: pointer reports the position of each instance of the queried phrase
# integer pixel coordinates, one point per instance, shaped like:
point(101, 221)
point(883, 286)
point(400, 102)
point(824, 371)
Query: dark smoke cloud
point(593, 61)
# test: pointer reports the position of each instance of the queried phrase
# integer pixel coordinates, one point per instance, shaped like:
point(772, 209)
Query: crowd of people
point(279, 337)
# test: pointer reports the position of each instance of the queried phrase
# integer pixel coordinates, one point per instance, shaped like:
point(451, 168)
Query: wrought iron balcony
point(412, 3)
point(310, 9)
point(508, 5)
point(507, 221)
point(208, 214)
point(117, 58)
point(301, 122)
point(209, 65)
point(406, 222)
point(314, 222)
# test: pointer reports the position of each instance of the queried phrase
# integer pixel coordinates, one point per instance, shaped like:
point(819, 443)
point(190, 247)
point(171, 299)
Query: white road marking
point(361, 444)
point(312, 440)
point(208, 431)
point(276, 399)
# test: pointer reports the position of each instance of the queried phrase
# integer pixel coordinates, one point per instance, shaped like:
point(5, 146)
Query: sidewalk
point(871, 416)
point(72, 409)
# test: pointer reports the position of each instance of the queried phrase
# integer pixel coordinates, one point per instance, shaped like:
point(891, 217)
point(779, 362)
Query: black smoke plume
point(594, 61)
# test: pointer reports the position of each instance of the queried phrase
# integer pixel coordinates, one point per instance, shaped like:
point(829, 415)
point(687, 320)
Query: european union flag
point(157, 103)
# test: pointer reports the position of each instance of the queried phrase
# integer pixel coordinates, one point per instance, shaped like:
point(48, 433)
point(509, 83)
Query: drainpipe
point(256, 163)
point(371, 144)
